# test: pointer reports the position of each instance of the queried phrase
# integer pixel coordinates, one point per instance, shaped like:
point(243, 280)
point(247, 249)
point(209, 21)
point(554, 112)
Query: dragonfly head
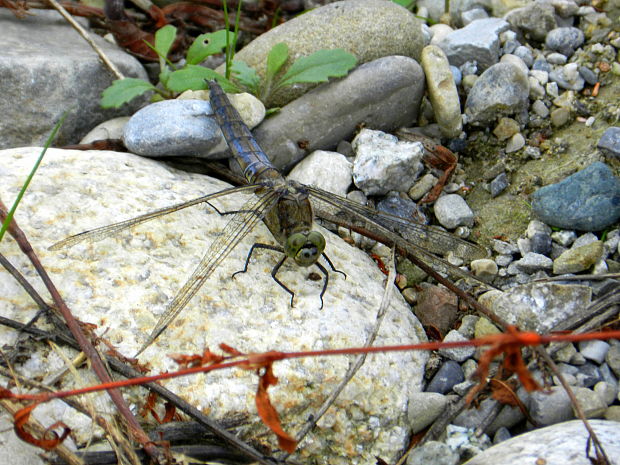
point(305, 247)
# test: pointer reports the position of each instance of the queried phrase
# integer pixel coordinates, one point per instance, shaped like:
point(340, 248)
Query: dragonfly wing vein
point(98, 234)
point(235, 230)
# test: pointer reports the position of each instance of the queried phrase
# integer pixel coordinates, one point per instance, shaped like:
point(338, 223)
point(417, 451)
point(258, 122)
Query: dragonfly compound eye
point(305, 248)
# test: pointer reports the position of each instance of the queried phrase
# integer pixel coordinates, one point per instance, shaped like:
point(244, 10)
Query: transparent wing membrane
point(110, 230)
point(235, 230)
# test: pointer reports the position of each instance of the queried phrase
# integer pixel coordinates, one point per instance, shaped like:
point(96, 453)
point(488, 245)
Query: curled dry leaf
point(50, 439)
point(268, 413)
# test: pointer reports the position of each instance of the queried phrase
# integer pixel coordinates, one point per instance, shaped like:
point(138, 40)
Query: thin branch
point(85, 345)
point(106, 61)
point(164, 393)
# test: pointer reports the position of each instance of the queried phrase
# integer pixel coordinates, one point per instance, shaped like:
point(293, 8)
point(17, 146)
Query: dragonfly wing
point(98, 234)
point(419, 239)
point(235, 230)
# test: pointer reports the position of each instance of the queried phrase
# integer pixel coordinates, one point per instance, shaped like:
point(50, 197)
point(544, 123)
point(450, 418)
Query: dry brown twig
point(104, 58)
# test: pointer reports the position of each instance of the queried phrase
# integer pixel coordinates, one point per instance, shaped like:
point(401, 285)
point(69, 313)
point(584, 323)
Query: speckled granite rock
point(123, 284)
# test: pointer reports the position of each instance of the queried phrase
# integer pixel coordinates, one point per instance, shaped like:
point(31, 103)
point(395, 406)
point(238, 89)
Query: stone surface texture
point(369, 29)
point(384, 94)
point(123, 284)
point(550, 445)
point(54, 70)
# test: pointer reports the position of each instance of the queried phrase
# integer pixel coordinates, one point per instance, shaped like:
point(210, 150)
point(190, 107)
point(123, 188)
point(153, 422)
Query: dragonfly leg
point(257, 245)
point(274, 272)
point(329, 262)
point(324, 271)
point(232, 212)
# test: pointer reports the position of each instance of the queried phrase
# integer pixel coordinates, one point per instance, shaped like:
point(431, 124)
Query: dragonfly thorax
point(305, 247)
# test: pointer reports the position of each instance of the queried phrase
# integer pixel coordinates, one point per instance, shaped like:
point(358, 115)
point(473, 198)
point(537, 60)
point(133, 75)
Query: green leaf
point(205, 45)
point(276, 58)
point(318, 67)
point(194, 77)
point(123, 90)
point(246, 76)
point(164, 39)
point(404, 3)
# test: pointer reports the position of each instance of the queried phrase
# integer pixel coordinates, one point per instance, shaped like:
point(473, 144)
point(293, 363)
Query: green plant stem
point(48, 142)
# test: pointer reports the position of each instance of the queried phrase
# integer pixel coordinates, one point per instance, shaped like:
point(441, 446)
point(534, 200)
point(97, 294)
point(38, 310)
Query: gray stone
point(111, 129)
point(458, 354)
point(173, 128)
point(442, 90)
point(538, 307)
point(578, 259)
point(478, 41)
point(52, 71)
point(561, 444)
point(556, 59)
point(458, 7)
point(568, 77)
point(451, 211)
point(592, 404)
point(588, 200)
point(588, 374)
point(550, 407)
point(515, 60)
point(525, 54)
point(383, 163)
point(423, 408)
point(564, 40)
point(541, 243)
point(369, 29)
point(588, 75)
point(433, 452)
point(594, 350)
point(613, 359)
point(123, 284)
point(330, 171)
point(449, 374)
point(585, 239)
point(606, 391)
point(564, 238)
point(533, 262)
point(384, 94)
point(485, 269)
point(502, 90)
point(609, 142)
point(516, 142)
point(559, 117)
point(534, 20)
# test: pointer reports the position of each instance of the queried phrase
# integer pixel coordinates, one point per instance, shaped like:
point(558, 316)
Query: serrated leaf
point(276, 58)
point(318, 67)
point(164, 39)
point(205, 45)
point(246, 76)
point(194, 77)
point(123, 90)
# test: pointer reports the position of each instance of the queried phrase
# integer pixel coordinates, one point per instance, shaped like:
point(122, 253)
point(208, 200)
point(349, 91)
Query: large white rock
point(123, 284)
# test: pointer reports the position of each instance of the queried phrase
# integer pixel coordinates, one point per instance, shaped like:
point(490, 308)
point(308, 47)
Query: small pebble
point(498, 185)
point(451, 211)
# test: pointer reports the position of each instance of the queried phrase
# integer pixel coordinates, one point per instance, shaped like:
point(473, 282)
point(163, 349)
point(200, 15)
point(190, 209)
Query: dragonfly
point(286, 207)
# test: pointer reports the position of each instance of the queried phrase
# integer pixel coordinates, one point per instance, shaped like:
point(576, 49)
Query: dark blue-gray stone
point(588, 200)
point(610, 141)
point(449, 374)
point(564, 40)
point(172, 128)
point(499, 184)
point(588, 75)
point(541, 243)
